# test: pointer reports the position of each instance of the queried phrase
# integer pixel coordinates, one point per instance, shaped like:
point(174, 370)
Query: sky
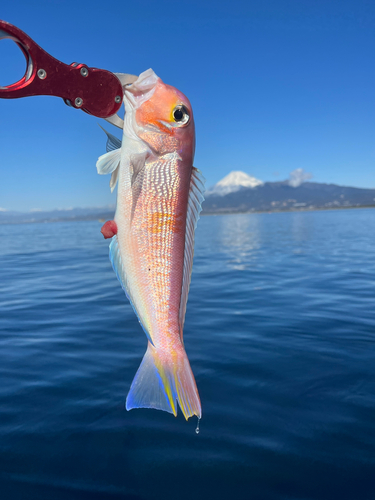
point(275, 85)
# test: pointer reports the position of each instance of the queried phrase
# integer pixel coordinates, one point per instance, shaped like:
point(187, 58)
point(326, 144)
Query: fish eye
point(181, 115)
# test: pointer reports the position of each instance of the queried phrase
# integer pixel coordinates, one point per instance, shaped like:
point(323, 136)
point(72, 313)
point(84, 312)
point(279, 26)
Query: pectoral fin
point(110, 162)
point(137, 163)
point(114, 178)
point(107, 163)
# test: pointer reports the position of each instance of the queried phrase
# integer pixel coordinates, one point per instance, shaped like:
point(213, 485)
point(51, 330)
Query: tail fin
point(161, 380)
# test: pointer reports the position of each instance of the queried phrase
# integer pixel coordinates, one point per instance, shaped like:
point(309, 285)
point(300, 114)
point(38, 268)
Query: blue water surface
point(280, 332)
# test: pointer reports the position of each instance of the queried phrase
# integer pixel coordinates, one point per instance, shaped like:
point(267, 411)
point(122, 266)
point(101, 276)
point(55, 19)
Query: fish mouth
point(126, 78)
point(142, 89)
point(135, 94)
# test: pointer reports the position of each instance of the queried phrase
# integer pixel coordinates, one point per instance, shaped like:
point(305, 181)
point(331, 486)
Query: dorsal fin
point(196, 199)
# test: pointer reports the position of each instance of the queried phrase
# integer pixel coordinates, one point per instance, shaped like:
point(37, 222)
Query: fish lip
point(142, 89)
point(131, 98)
point(126, 79)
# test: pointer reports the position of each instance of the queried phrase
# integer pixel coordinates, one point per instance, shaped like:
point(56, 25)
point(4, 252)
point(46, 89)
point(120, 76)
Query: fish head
point(160, 115)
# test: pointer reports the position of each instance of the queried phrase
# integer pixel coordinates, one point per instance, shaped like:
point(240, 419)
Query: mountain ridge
point(282, 196)
point(257, 196)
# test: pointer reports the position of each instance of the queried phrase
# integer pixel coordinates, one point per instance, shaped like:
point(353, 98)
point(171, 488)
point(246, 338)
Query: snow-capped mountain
point(233, 182)
point(281, 196)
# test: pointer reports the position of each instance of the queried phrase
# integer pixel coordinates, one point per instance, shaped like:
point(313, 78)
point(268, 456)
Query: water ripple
point(280, 331)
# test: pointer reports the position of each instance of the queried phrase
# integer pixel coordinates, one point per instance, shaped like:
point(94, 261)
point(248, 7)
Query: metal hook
point(96, 91)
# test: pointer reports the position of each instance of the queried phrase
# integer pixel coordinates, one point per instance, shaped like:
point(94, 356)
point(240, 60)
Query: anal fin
point(116, 260)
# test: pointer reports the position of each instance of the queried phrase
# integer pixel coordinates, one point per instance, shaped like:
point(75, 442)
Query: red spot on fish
point(109, 229)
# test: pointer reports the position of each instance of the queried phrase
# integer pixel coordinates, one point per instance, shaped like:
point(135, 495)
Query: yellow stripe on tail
point(163, 379)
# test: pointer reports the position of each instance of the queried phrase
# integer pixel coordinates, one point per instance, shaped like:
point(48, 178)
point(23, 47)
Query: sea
point(280, 333)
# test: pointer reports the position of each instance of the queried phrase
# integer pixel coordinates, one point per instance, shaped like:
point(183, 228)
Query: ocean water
point(280, 332)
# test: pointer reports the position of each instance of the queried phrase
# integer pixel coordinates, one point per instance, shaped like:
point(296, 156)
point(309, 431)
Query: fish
point(159, 199)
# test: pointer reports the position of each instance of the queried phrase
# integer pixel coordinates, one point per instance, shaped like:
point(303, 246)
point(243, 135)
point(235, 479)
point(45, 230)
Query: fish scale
point(157, 248)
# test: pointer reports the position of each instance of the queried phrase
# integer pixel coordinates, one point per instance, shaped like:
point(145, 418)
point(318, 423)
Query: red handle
point(95, 91)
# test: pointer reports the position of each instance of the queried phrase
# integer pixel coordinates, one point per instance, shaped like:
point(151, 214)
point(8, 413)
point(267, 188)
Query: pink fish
point(158, 204)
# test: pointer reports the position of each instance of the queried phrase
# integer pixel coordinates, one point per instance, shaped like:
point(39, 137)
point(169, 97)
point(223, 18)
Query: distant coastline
point(102, 217)
point(237, 193)
point(286, 210)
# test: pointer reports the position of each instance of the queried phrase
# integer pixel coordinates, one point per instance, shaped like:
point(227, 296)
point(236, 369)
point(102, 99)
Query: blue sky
point(275, 85)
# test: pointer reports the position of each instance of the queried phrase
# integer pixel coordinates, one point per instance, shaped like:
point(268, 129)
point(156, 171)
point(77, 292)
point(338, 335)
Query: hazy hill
point(8, 217)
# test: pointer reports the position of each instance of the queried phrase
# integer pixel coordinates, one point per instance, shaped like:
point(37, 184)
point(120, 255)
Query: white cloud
point(298, 176)
point(3, 209)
